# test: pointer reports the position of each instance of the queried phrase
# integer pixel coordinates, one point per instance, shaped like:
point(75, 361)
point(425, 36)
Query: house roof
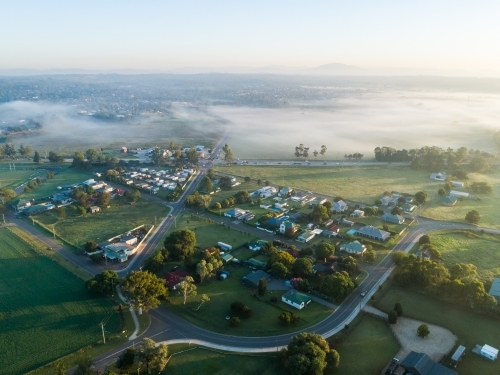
point(393, 218)
point(421, 364)
point(254, 277)
point(227, 257)
point(408, 207)
point(287, 224)
point(173, 278)
point(307, 234)
point(354, 246)
point(495, 288)
point(335, 228)
point(448, 199)
point(339, 204)
point(297, 297)
point(372, 231)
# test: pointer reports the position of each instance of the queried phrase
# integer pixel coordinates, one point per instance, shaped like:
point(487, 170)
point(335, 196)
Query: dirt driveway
point(438, 344)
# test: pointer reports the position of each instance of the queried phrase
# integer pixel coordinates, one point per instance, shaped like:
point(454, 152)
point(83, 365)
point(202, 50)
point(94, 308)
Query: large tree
point(319, 213)
point(206, 184)
point(228, 154)
point(180, 244)
point(302, 267)
point(154, 356)
point(144, 289)
point(6, 195)
point(9, 149)
point(103, 283)
point(338, 285)
point(473, 217)
point(421, 197)
point(309, 353)
point(279, 270)
point(103, 199)
point(25, 151)
point(37, 158)
point(186, 288)
point(324, 250)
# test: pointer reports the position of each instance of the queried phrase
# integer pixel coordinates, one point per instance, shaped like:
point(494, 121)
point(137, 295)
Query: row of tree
point(302, 151)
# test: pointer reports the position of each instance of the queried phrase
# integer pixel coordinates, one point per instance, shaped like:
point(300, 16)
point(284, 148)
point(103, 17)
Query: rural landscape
point(272, 188)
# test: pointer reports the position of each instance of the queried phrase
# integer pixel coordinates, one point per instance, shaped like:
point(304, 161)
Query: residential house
point(408, 208)
point(227, 257)
point(306, 236)
point(285, 191)
point(373, 233)
point(421, 364)
point(256, 264)
point(339, 206)
point(296, 299)
point(288, 228)
point(174, 278)
point(395, 219)
point(275, 222)
point(252, 279)
point(354, 247)
point(237, 213)
point(326, 268)
point(358, 213)
point(93, 209)
point(486, 351)
point(318, 201)
point(347, 222)
point(495, 289)
point(266, 192)
point(448, 200)
point(328, 223)
point(460, 194)
point(38, 208)
point(457, 184)
point(21, 204)
point(256, 245)
point(441, 176)
point(299, 197)
point(389, 201)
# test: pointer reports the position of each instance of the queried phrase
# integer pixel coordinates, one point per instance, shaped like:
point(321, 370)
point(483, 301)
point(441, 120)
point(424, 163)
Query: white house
point(489, 352)
point(296, 299)
point(358, 213)
point(306, 236)
point(339, 206)
point(456, 193)
point(441, 176)
point(266, 192)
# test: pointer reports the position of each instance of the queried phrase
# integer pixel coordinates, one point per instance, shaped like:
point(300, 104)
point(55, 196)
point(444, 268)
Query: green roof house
point(354, 247)
point(296, 299)
point(448, 201)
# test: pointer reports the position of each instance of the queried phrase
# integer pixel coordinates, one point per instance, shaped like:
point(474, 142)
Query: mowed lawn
point(374, 341)
point(482, 250)
point(362, 184)
point(471, 328)
point(45, 311)
point(109, 222)
point(487, 206)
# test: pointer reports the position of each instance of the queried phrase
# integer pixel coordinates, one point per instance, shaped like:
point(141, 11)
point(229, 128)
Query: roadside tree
point(180, 244)
point(187, 288)
point(144, 289)
point(421, 197)
point(338, 285)
point(473, 217)
point(206, 184)
point(103, 283)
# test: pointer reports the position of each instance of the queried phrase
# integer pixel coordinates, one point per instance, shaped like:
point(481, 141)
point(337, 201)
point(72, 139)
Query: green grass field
point(98, 227)
point(11, 179)
point(487, 206)
point(471, 328)
point(45, 311)
point(362, 184)
point(466, 247)
point(374, 339)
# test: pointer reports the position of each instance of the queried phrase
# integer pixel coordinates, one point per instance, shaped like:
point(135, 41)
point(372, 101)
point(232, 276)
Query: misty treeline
point(434, 158)
point(458, 284)
point(9, 150)
point(302, 151)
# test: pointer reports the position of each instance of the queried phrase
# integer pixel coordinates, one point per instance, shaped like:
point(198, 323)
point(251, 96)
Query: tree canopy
point(180, 244)
point(144, 289)
point(473, 217)
point(103, 283)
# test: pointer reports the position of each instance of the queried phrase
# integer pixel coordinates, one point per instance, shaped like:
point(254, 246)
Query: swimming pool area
point(351, 232)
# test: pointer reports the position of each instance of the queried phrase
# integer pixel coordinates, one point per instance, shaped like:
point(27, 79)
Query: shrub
point(393, 317)
point(234, 321)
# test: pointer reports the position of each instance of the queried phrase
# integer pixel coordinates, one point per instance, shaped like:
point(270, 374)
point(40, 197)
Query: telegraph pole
point(103, 337)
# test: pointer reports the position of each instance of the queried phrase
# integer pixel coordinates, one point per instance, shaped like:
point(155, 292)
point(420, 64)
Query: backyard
point(467, 247)
point(45, 310)
point(471, 328)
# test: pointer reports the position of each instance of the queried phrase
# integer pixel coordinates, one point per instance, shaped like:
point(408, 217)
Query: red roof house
point(173, 278)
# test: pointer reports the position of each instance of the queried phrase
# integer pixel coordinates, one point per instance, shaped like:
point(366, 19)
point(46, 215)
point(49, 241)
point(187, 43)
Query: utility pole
point(103, 337)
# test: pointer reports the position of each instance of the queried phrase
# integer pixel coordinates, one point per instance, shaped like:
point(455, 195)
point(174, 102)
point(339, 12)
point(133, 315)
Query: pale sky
point(123, 34)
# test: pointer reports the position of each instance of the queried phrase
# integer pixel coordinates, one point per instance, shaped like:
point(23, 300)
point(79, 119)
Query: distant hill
point(339, 69)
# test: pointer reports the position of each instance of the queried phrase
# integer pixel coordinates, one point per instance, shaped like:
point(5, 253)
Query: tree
point(228, 154)
point(37, 158)
point(103, 283)
point(337, 285)
point(153, 356)
point(322, 151)
point(447, 187)
point(302, 267)
point(103, 199)
point(6, 195)
point(203, 299)
point(396, 210)
point(234, 321)
point(315, 153)
point(126, 359)
point(481, 187)
point(281, 257)
point(287, 318)
point(237, 307)
point(25, 151)
point(225, 183)
point(324, 250)
point(144, 289)
point(54, 158)
point(84, 366)
point(155, 262)
point(473, 217)
point(319, 213)
point(279, 270)
point(370, 255)
point(180, 244)
point(206, 184)
point(421, 197)
point(157, 155)
point(192, 155)
point(9, 149)
point(425, 239)
point(308, 353)
point(423, 330)
point(262, 287)
point(187, 288)
point(479, 164)
point(399, 309)
point(90, 246)
point(132, 195)
point(207, 267)
point(61, 212)
point(392, 317)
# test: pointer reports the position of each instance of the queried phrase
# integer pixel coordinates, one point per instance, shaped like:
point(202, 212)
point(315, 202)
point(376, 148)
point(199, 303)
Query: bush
point(234, 321)
point(246, 312)
point(392, 317)
point(287, 318)
point(237, 307)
